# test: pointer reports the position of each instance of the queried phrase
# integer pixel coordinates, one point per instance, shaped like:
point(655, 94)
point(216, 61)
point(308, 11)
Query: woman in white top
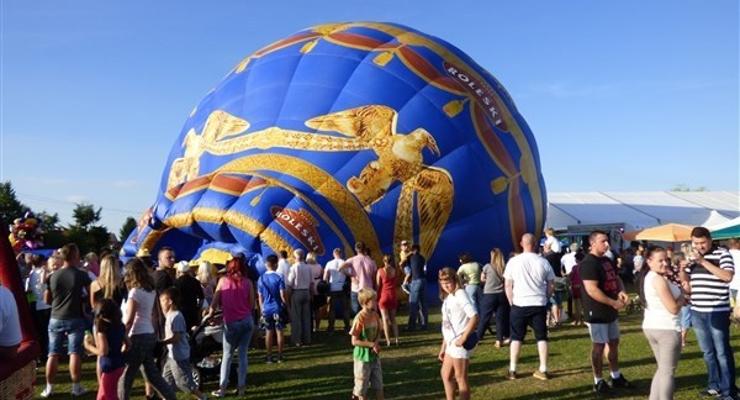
point(661, 325)
point(459, 320)
point(140, 330)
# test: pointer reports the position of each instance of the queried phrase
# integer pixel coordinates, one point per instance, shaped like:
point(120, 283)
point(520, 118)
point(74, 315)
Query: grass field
point(411, 371)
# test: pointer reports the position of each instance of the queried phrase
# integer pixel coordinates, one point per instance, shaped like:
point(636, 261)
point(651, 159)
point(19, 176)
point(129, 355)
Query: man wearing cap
point(191, 294)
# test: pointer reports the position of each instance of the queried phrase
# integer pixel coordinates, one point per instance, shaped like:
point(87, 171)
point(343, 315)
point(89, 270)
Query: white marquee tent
point(639, 210)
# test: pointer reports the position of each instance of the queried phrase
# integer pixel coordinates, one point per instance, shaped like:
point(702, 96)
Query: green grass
point(411, 371)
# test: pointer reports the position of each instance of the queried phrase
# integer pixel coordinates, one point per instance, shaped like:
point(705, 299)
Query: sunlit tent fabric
point(639, 210)
point(349, 132)
point(727, 230)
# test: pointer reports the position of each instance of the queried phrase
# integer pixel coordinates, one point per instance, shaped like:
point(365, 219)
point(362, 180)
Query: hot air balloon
point(347, 132)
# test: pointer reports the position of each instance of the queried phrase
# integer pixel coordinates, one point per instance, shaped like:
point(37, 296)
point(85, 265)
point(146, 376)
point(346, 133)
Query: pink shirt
point(235, 299)
point(364, 269)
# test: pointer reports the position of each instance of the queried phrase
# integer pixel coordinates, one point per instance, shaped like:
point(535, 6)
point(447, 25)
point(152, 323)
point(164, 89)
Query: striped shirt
point(708, 292)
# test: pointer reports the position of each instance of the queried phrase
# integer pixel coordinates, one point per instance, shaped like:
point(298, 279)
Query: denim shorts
point(73, 329)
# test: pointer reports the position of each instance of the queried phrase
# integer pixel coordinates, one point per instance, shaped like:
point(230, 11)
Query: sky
point(620, 96)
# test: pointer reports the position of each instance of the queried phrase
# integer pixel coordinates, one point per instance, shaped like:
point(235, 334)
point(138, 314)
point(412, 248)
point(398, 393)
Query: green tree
point(85, 215)
point(127, 228)
point(85, 231)
point(10, 207)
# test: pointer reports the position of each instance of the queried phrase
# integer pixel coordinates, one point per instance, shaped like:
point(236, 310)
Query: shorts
point(367, 375)
point(272, 322)
point(533, 316)
point(457, 351)
point(603, 333)
point(685, 317)
point(180, 373)
point(73, 329)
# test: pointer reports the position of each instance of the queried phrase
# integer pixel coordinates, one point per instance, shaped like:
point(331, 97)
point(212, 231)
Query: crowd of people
point(142, 316)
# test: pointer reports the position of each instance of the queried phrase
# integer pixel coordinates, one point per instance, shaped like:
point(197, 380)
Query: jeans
point(474, 292)
point(141, 354)
point(417, 304)
point(497, 303)
point(355, 303)
point(338, 301)
point(72, 329)
point(237, 334)
point(713, 334)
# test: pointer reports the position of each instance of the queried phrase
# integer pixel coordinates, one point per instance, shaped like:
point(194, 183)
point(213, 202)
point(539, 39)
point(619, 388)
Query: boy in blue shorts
point(271, 291)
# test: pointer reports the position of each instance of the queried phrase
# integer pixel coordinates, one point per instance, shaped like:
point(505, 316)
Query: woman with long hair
point(108, 285)
point(493, 300)
point(140, 330)
point(387, 282)
point(459, 320)
point(663, 300)
point(235, 297)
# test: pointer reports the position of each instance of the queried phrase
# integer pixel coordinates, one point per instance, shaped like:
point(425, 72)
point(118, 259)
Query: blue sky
point(621, 96)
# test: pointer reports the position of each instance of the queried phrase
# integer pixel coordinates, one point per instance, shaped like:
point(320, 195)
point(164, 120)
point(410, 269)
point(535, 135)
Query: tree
point(88, 235)
point(85, 215)
point(50, 222)
point(10, 207)
point(127, 228)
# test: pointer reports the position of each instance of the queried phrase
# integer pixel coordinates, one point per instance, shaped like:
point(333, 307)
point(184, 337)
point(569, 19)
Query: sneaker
point(543, 376)
point(47, 392)
point(218, 393)
point(78, 391)
point(280, 359)
point(620, 382)
point(511, 376)
point(601, 387)
point(241, 391)
point(268, 360)
point(709, 393)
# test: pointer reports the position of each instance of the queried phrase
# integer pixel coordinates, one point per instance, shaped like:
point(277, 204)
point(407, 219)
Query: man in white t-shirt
point(529, 283)
point(10, 326)
point(568, 261)
point(338, 296)
point(283, 267)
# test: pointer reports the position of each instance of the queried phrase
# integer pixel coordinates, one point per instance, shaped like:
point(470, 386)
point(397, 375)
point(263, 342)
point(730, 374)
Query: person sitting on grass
point(272, 298)
point(459, 321)
point(177, 369)
point(110, 336)
point(365, 334)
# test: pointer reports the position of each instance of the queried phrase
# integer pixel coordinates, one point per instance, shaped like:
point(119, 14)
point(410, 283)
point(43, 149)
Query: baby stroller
point(205, 348)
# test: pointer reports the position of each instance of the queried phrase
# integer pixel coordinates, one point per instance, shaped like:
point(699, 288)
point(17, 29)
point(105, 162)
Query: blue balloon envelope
point(349, 132)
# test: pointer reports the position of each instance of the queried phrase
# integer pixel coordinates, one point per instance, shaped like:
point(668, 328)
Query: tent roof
point(638, 210)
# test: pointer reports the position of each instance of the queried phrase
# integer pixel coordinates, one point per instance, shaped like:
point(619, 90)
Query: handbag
point(471, 341)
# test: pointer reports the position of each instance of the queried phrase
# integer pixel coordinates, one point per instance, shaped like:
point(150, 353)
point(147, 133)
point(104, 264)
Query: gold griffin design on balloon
point(371, 127)
point(339, 34)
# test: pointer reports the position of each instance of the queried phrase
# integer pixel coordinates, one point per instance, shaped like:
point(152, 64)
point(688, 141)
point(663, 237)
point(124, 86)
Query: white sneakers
point(77, 390)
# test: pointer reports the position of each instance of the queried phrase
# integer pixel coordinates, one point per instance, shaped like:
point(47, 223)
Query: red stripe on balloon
point(426, 69)
point(356, 40)
point(492, 142)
